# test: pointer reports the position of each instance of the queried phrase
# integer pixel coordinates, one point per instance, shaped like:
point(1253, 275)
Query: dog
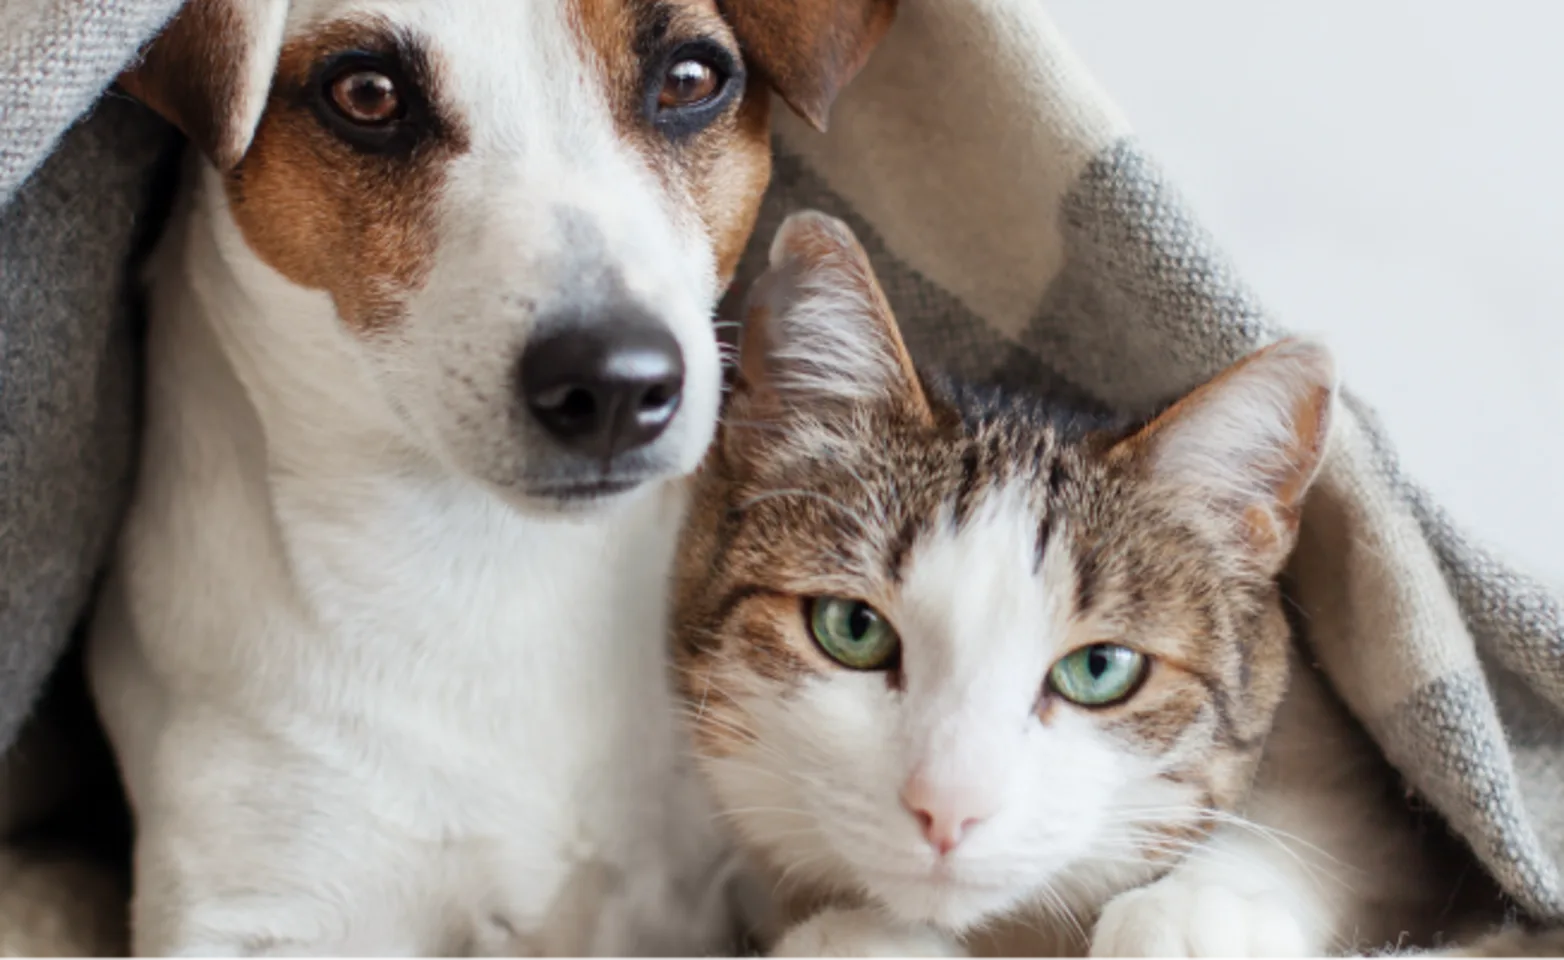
point(430, 347)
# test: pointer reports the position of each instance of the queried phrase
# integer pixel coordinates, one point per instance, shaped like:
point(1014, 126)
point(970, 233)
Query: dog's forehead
point(499, 47)
point(497, 53)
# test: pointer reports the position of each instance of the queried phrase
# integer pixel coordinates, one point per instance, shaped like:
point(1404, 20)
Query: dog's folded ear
point(808, 49)
point(209, 71)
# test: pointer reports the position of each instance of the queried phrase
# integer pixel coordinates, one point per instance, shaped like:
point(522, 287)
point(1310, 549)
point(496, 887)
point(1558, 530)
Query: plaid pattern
point(1021, 233)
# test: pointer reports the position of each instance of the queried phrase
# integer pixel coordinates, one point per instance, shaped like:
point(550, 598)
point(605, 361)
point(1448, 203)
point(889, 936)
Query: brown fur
point(729, 177)
point(722, 170)
point(359, 226)
point(810, 49)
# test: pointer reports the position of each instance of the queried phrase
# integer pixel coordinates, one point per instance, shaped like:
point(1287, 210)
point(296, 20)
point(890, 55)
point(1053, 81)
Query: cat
point(969, 671)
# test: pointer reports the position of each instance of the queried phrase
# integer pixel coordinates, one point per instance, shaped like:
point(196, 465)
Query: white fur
point(369, 693)
point(1179, 918)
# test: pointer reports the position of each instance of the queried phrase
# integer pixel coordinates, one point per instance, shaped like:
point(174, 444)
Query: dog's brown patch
point(809, 49)
point(357, 225)
point(732, 178)
point(607, 30)
point(721, 170)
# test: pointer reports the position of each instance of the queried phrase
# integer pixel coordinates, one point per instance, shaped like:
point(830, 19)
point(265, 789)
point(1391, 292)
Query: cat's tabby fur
point(996, 533)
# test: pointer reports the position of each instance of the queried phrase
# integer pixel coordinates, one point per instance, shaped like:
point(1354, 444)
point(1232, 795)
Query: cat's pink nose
point(945, 816)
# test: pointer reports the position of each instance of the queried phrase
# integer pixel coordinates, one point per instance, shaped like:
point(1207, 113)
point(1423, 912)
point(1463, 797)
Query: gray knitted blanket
point(1020, 232)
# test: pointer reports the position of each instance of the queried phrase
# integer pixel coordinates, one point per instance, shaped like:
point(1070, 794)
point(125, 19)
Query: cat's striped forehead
point(850, 500)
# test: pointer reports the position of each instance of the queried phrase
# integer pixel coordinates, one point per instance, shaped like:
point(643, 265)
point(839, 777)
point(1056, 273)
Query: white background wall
point(1389, 174)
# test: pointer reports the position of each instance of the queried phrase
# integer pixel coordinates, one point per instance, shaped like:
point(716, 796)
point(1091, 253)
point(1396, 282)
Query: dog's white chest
point(458, 718)
point(509, 676)
point(487, 649)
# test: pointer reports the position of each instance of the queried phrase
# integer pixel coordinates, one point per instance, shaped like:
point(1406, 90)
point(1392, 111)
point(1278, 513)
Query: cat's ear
point(1248, 444)
point(819, 337)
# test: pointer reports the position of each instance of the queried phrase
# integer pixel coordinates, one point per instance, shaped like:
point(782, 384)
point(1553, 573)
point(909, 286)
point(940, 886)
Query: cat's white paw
point(862, 933)
point(1184, 917)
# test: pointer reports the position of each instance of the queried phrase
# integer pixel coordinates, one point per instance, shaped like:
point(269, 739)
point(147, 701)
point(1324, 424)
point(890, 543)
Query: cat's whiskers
point(1289, 601)
point(1191, 852)
point(700, 711)
point(1280, 837)
point(702, 716)
point(706, 681)
point(1056, 906)
point(810, 832)
point(1128, 844)
point(785, 811)
point(705, 633)
point(772, 832)
point(801, 871)
point(784, 771)
point(1026, 919)
point(752, 743)
point(1314, 872)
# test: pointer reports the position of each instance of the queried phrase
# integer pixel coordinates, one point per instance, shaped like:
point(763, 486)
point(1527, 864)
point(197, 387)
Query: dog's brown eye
point(688, 83)
point(366, 96)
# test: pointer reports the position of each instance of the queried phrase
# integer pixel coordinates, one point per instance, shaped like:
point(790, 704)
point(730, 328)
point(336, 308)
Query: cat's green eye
point(853, 633)
point(1098, 675)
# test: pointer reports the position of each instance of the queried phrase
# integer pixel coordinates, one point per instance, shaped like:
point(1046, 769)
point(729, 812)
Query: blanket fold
point(1021, 233)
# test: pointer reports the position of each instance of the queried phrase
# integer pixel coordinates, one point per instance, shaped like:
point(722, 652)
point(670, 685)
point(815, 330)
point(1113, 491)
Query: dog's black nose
point(604, 388)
